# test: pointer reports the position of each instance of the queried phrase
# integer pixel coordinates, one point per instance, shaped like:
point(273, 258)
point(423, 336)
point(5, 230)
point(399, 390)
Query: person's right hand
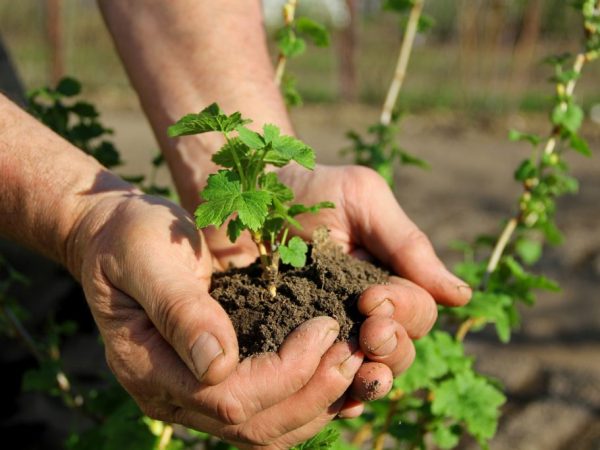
point(145, 270)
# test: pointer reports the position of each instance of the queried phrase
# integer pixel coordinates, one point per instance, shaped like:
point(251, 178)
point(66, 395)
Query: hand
point(367, 221)
point(145, 270)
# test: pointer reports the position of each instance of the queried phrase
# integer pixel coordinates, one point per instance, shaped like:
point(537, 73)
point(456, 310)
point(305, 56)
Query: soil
point(328, 285)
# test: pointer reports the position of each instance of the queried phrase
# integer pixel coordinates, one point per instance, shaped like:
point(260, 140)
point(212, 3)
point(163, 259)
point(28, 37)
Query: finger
point(179, 306)
point(351, 409)
point(385, 341)
point(328, 385)
point(389, 234)
point(410, 305)
point(265, 380)
point(372, 382)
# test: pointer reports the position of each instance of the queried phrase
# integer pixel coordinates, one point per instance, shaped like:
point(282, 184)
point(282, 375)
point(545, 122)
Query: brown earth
point(328, 285)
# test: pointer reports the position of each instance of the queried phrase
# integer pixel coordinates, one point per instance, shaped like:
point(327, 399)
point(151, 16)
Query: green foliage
point(244, 192)
point(380, 150)
point(324, 440)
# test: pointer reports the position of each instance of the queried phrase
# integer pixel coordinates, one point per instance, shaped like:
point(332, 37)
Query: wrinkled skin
point(368, 222)
point(146, 272)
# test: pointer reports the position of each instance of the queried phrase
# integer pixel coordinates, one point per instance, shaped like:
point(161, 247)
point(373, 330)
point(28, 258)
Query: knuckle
point(231, 412)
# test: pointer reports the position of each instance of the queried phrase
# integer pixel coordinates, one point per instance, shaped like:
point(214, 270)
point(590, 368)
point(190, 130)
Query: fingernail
point(331, 335)
point(204, 351)
point(387, 347)
point(385, 308)
point(465, 290)
point(351, 364)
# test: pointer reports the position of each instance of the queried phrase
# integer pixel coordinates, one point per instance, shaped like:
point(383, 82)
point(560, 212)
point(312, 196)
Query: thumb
point(187, 317)
point(390, 235)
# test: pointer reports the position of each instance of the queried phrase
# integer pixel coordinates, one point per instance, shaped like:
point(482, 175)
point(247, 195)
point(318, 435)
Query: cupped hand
point(368, 222)
point(145, 270)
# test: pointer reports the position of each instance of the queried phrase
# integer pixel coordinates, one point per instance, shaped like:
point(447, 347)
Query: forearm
point(46, 186)
point(182, 56)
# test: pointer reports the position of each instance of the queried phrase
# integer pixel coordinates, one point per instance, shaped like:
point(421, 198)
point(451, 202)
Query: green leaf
point(251, 138)
point(224, 196)
point(569, 118)
point(580, 145)
point(529, 251)
point(290, 92)
point(526, 170)
point(301, 209)
point(158, 160)
point(288, 148)
point(489, 307)
point(69, 87)
point(322, 441)
point(42, 379)
point(210, 118)
point(398, 5)
point(446, 436)
point(234, 229)
point(294, 252)
point(225, 156)
point(84, 109)
point(408, 159)
point(515, 135)
point(107, 154)
point(270, 132)
point(425, 24)
point(270, 183)
point(470, 399)
point(289, 43)
point(315, 31)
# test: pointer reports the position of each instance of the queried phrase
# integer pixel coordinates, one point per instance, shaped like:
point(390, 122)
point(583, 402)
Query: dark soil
point(328, 285)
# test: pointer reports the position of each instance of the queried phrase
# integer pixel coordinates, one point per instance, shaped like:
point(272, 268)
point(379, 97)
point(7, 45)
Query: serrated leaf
point(234, 229)
point(489, 307)
point(251, 138)
point(270, 183)
point(270, 132)
point(301, 209)
point(209, 119)
point(470, 399)
point(224, 196)
point(445, 436)
point(324, 440)
point(290, 92)
point(570, 117)
point(69, 87)
point(294, 252)
point(225, 156)
point(288, 148)
point(315, 31)
point(425, 23)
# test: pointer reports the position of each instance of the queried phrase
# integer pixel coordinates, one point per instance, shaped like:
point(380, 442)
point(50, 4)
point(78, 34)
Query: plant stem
point(165, 437)
point(269, 263)
point(401, 65)
point(549, 148)
point(289, 10)
point(392, 408)
point(362, 435)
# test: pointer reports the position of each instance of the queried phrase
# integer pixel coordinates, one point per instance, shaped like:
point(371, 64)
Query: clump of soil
point(328, 285)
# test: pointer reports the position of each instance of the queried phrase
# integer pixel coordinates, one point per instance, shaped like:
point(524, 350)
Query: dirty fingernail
point(385, 308)
point(387, 347)
point(204, 351)
point(350, 365)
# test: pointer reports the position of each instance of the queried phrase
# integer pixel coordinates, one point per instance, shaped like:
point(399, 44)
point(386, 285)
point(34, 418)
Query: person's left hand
point(368, 222)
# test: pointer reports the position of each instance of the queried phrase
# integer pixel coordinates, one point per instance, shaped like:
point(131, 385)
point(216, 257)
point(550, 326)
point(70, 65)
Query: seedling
point(253, 198)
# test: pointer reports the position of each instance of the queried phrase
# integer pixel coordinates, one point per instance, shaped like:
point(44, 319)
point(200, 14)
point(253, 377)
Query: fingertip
point(373, 381)
point(212, 361)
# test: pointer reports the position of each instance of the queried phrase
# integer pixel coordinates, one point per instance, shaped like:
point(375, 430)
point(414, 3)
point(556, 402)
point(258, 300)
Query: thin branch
point(165, 437)
point(402, 64)
point(392, 408)
point(289, 10)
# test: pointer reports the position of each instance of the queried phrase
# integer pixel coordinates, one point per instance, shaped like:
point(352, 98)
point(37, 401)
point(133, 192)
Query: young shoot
point(244, 192)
